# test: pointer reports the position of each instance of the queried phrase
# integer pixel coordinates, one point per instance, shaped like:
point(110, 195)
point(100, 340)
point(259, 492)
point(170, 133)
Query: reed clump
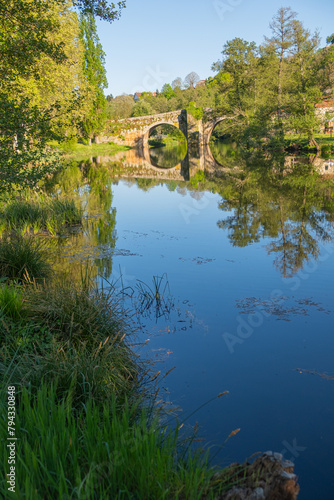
point(92, 454)
point(23, 259)
point(38, 213)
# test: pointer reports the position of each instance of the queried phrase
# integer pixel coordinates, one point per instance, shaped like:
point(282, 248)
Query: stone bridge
point(135, 132)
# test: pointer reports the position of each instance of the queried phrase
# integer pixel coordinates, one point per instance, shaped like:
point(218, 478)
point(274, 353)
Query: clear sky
point(156, 41)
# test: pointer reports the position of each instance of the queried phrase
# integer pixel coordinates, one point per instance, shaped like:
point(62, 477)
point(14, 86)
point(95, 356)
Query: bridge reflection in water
point(140, 162)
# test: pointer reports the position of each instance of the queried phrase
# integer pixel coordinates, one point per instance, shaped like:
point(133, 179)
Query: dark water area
point(246, 264)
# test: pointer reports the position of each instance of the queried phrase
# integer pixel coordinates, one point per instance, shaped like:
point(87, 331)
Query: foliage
point(95, 73)
point(196, 112)
point(40, 83)
point(330, 39)
point(120, 107)
point(24, 160)
point(142, 108)
point(168, 91)
point(100, 8)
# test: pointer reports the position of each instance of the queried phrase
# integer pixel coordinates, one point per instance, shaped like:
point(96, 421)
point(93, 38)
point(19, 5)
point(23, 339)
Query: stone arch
point(210, 162)
point(210, 126)
point(152, 126)
point(145, 143)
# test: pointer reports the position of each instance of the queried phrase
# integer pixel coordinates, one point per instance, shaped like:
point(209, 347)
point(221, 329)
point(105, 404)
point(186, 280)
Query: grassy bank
point(34, 213)
point(77, 151)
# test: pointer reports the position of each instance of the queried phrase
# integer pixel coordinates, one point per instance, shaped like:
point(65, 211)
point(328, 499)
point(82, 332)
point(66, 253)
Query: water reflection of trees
point(90, 185)
point(294, 209)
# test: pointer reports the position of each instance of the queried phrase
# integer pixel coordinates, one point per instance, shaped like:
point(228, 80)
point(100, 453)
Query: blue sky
point(154, 42)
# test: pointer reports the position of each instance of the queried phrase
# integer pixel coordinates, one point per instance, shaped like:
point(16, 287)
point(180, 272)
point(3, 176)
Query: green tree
point(238, 61)
point(142, 108)
point(62, 82)
point(305, 89)
point(330, 39)
point(28, 32)
point(168, 91)
point(95, 73)
point(280, 44)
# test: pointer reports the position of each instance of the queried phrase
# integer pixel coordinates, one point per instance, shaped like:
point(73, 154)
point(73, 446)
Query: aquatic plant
point(38, 214)
point(23, 259)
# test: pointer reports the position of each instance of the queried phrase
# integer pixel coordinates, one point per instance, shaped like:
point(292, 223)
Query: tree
point(24, 30)
point(24, 160)
point(238, 61)
point(142, 108)
point(280, 44)
point(100, 8)
point(330, 39)
point(305, 90)
point(63, 82)
point(95, 73)
point(28, 32)
point(120, 107)
point(177, 83)
point(167, 91)
point(191, 79)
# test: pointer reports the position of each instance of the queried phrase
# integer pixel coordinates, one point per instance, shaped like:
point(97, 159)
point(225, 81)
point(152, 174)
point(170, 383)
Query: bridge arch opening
point(221, 146)
point(167, 146)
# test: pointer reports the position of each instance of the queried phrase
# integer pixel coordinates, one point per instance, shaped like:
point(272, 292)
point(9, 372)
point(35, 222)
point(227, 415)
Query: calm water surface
point(250, 308)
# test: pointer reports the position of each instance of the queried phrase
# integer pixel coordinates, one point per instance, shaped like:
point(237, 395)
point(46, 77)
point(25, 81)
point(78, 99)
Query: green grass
point(38, 214)
point(71, 331)
point(23, 259)
point(94, 454)
point(11, 301)
point(79, 151)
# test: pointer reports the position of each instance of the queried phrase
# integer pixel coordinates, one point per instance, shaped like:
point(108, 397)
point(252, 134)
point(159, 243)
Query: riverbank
point(76, 151)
